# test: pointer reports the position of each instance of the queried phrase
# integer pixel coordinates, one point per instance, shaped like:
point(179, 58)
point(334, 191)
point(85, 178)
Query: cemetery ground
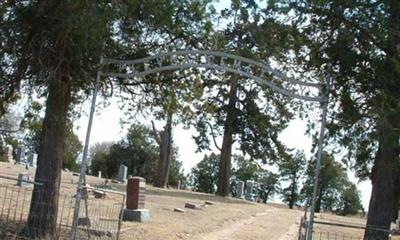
point(225, 219)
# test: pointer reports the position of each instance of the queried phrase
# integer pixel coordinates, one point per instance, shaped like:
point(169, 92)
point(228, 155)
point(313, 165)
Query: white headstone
point(8, 153)
point(249, 190)
point(122, 173)
point(240, 189)
point(99, 174)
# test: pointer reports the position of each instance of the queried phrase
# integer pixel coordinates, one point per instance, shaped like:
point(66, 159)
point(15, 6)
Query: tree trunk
point(386, 169)
point(226, 149)
point(165, 154)
point(385, 180)
point(168, 153)
point(44, 205)
point(293, 192)
point(318, 203)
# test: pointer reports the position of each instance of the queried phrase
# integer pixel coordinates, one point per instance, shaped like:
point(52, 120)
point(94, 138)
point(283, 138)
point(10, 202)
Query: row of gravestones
point(246, 193)
point(31, 160)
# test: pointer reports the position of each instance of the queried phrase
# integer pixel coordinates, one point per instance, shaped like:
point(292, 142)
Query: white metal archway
point(186, 59)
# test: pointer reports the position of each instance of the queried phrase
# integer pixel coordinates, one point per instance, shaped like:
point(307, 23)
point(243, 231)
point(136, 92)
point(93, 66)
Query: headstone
point(22, 178)
point(240, 189)
point(32, 160)
point(249, 190)
point(99, 174)
point(192, 205)
point(20, 154)
point(122, 173)
point(99, 194)
point(84, 221)
point(8, 153)
point(179, 184)
point(135, 201)
point(180, 210)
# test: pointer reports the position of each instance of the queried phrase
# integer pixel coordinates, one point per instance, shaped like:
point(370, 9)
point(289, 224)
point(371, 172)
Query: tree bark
point(165, 154)
point(43, 211)
point(168, 153)
point(293, 194)
point(386, 170)
point(385, 185)
point(226, 149)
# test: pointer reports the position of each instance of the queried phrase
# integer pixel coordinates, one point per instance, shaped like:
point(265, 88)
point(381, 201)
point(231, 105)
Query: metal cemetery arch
point(221, 61)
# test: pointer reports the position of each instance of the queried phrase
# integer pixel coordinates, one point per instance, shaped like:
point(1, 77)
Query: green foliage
point(204, 176)
point(100, 161)
point(32, 125)
point(72, 150)
point(335, 191)
point(139, 152)
point(350, 202)
point(245, 169)
point(291, 170)
point(176, 174)
point(269, 185)
point(256, 114)
point(356, 43)
point(331, 179)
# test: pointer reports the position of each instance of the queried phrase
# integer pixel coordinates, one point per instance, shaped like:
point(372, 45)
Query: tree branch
point(213, 135)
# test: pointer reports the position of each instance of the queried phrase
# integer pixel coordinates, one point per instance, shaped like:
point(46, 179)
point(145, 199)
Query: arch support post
point(319, 156)
point(82, 175)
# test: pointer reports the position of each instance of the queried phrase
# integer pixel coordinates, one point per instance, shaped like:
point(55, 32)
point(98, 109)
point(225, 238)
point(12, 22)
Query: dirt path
point(264, 225)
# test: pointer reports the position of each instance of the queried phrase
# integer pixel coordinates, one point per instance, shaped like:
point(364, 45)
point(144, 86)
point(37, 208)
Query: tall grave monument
point(135, 201)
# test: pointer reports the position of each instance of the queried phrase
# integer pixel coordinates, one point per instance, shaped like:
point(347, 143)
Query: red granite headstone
point(135, 193)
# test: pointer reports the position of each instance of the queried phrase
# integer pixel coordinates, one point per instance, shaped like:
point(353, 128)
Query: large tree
point(57, 46)
point(238, 109)
point(204, 176)
point(31, 125)
point(330, 184)
point(291, 170)
point(357, 43)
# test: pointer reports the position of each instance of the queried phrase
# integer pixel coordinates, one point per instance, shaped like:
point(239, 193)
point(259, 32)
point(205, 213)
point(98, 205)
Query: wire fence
point(334, 230)
point(21, 218)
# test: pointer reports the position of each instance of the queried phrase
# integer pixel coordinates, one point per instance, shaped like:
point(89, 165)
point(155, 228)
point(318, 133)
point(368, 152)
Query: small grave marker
point(122, 173)
point(32, 160)
point(99, 194)
point(249, 190)
point(192, 206)
point(240, 189)
point(20, 154)
point(8, 153)
point(22, 178)
point(180, 210)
